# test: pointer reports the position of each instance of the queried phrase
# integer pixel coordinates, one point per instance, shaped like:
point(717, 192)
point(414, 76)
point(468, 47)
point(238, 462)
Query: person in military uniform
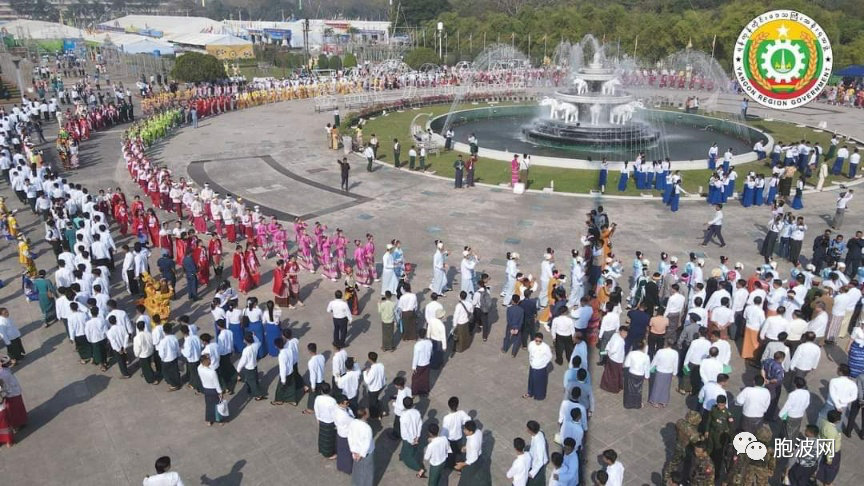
point(702, 473)
point(686, 434)
point(758, 473)
point(719, 429)
point(732, 471)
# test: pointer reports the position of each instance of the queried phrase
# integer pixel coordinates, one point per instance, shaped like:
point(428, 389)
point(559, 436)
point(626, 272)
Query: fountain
point(594, 110)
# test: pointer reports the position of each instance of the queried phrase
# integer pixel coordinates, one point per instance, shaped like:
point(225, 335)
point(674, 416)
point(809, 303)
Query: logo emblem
point(783, 59)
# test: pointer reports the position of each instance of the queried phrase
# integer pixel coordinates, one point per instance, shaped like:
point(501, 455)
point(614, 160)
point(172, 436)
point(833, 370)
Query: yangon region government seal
point(783, 59)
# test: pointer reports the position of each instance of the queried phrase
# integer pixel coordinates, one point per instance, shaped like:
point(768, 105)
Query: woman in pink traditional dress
point(369, 248)
point(272, 228)
point(299, 229)
point(514, 170)
point(328, 265)
point(319, 232)
point(261, 237)
point(339, 244)
point(361, 272)
point(280, 241)
point(306, 259)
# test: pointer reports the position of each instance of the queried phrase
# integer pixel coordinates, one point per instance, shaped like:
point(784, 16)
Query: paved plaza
point(91, 428)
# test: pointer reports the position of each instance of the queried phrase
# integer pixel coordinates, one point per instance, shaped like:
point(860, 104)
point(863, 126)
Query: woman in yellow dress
point(25, 258)
point(157, 296)
point(12, 224)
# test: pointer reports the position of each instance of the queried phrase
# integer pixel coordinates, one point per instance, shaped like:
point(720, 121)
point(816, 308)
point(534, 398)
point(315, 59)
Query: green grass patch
point(488, 171)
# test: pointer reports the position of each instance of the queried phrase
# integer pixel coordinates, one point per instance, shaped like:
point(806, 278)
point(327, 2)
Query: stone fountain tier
point(591, 98)
point(596, 73)
point(559, 132)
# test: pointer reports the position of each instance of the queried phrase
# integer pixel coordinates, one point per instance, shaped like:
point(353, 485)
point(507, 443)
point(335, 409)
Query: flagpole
point(635, 45)
point(713, 44)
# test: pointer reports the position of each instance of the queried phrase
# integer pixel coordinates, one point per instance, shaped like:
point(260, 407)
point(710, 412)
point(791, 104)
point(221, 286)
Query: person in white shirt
point(361, 443)
point(538, 451)
point(342, 418)
point(471, 467)
point(609, 325)
point(711, 366)
point(406, 310)
point(349, 382)
point(11, 337)
point(96, 329)
point(451, 427)
point(402, 392)
point(664, 365)
point(794, 410)
point(341, 318)
point(697, 351)
point(225, 345)
point(410, 424)
point(164, 476)
point(539, 357)
point(420, 364)
point(191, 352)
point(614, 468)
point(438, 449)
point(674, 310)
point(315, 365)
point(715, 226)
point(818, 324)
point(521, 467)
point(562, 329)
point(375, 380)
point(118, 339)
point(842, 391)
point(247, 366)
point(324, 407)
point(806, 356)
point(168, 348)
point(774, 325)
point(289, 385)
point(211, 388)
point(754, 401)
point(637, 365)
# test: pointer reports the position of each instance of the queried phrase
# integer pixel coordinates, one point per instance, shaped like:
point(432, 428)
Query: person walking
point(341, 318)
point(344, 171)
point(714, 227)
point(842, 204)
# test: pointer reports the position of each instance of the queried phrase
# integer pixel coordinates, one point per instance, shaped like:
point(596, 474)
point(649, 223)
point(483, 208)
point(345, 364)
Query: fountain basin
point(591, 98)
point(683, 137)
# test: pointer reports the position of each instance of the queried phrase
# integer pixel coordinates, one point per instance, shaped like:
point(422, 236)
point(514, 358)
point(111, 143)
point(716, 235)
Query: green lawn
point(397, 125)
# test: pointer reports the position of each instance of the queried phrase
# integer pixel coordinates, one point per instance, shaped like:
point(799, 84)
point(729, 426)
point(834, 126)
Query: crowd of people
point(673, 324)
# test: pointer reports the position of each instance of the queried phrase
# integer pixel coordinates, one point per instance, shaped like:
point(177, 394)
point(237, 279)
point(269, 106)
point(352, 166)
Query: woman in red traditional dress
point(292, 272)
point(238, 264)
point(121, 215)
point(6, 435)
point(166, 241)
point(252, 264)
point(153, 227)
point(280, 284)
point(139, 226)
point(137, 205)
point(180, 248)
point(202, 259)
point(153, 192)
point(215, 251)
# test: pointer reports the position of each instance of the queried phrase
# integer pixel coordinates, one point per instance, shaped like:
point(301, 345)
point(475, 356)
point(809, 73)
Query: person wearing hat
point(389, 282)
point(467, 270)
point(546, 267)
point(686, 434)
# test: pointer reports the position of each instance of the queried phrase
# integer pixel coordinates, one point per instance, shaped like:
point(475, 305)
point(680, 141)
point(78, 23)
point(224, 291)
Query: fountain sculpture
point(593, 110)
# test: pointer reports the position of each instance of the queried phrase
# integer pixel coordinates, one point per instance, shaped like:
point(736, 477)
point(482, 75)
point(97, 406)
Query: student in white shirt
point(665, 367)
point(437, 451)
point(315, 365)
point(211, 388)
point(164, 476)
point(806, 356)
point(794, 410)
point(288, 386)
point(402, 391)
point(521, 467)
point(169, 352)
point(95, 329)
point(410, 424)
point(341, 318)
point(375, 380)
point(451, 427)
point(361, 443)
point(471, 467)
point(143, 349)
point(614, 468)
point(247, 366)
point(754, 401)
point(538, 452)
point(324, 405)
point(342, 418)
point(637, 366)
point(349, 382)
point(420, 364)
point(118, 339)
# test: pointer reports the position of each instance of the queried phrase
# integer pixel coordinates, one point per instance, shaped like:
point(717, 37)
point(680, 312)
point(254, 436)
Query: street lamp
point(440, 40)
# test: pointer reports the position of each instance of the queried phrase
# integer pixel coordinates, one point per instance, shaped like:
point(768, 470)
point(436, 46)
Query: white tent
point(168, 26)
point(148, 46)
point(202, 40)
point(37, 29)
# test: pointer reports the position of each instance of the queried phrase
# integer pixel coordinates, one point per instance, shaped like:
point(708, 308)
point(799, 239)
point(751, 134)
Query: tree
point(335, 62)
point(349, 61)
point(322, 62)
point(193, 67)
point(420, 56)
point(422, 11)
